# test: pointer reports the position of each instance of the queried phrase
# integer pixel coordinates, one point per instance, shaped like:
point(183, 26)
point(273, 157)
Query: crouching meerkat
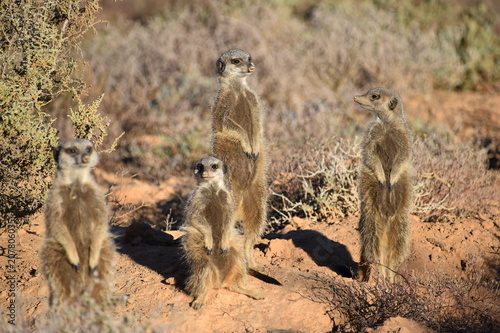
point(238, 142)
point(78, 252)
point(213, 257)
point(385, 187)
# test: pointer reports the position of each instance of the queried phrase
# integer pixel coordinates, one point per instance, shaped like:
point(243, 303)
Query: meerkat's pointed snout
point(251, 69)
point(85, 158)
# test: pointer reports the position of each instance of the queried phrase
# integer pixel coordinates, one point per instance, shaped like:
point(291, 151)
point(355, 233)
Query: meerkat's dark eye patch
point(235, 61)
point(374, 97)
point(215, 166)
point(393, 103)
point(71, 151)
point(88, 150)
point(199, 167)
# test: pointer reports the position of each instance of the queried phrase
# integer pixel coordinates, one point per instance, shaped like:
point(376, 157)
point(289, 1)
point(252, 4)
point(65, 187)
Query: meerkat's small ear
point(220, 66)
point(393, 103)
point(224, 168)
point(55, 153)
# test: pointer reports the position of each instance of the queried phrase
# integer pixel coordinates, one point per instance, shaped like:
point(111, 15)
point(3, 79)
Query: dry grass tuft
point(319, 183)
point(443, 303)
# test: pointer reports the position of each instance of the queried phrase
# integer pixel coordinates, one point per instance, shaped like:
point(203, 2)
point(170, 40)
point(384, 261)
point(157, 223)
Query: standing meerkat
point(214, 258)
point(77, 255)
point(238, 141)
point(385, 184)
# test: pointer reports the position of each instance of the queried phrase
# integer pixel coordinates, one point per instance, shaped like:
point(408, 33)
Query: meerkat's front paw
point(93, 271)
point(252, 156)
point(74, 261)
point(196, 305)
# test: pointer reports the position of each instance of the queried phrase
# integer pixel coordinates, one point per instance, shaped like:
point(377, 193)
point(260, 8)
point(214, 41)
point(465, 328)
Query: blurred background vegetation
point(154, 62)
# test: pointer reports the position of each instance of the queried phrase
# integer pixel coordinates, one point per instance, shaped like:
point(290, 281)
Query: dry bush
point(452, 178)
point(38, 40)
point(317, 182)
point(443, 303)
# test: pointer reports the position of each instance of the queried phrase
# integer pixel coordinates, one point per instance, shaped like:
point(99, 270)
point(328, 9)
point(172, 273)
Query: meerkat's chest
point(245, 109)
point(80, 209)
point(217, 208)
point(387, 148)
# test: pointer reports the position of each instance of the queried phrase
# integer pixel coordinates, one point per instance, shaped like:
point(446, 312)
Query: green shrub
point(38, 43)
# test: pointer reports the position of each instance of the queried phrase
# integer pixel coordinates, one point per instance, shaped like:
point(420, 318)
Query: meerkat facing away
point(77, 255)
point(238, 142)
point(385, 184)
point(214, 259)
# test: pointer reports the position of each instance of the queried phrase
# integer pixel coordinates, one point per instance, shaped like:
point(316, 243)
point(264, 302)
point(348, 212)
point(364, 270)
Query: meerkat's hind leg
point(399, 251)
point(364, 269)
point(254, 216)
point(255, 294)
point(198, 301)
point(369, 247)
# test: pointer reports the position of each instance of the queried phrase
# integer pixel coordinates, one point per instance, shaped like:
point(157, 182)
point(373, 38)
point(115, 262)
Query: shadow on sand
point(324, 251)
point(165, 258)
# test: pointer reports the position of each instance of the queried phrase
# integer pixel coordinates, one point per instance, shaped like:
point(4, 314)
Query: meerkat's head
point(209, 169)
point(385, 103)
point(75, 154)
point(235, 63)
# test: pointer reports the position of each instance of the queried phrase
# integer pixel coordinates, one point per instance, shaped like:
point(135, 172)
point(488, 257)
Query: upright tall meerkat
point(238, 142)
point(385, 184)
point(214, 258)
point(77, 255)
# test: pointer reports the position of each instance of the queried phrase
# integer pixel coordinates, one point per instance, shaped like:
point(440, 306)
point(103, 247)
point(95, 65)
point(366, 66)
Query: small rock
point(170, 281)
point(299, 223)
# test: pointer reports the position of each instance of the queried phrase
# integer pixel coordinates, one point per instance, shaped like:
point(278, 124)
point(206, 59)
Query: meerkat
point(385, 188)
point(78, 252)
point(212, 255)
point(238, 141)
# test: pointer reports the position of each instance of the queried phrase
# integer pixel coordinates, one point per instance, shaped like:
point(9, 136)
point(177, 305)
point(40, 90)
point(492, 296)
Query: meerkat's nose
point(251, 68)
point(85, 158)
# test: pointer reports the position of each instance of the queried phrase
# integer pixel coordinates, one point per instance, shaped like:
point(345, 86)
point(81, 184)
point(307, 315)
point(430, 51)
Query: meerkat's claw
point(76, 267)
point(196, 306)
point(209, 251)
point(223, 252)
point(252, 156)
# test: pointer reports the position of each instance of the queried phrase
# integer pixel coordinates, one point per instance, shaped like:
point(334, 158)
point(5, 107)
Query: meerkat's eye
point(215, 166)
point(199, 167)
point(71, 151)
point(235, 61)
point(88, 150)
point(374, 97)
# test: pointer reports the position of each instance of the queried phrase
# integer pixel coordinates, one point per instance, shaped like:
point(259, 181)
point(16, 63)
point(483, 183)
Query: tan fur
point(385, 185)
point(211, 251)
point(238, 142)
point(77, 255)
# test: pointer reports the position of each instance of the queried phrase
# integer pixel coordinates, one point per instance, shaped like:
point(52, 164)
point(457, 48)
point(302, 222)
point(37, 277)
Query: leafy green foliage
point(38, 40)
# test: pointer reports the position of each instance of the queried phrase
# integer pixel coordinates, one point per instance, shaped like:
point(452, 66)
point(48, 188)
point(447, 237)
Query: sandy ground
point(149, 276)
